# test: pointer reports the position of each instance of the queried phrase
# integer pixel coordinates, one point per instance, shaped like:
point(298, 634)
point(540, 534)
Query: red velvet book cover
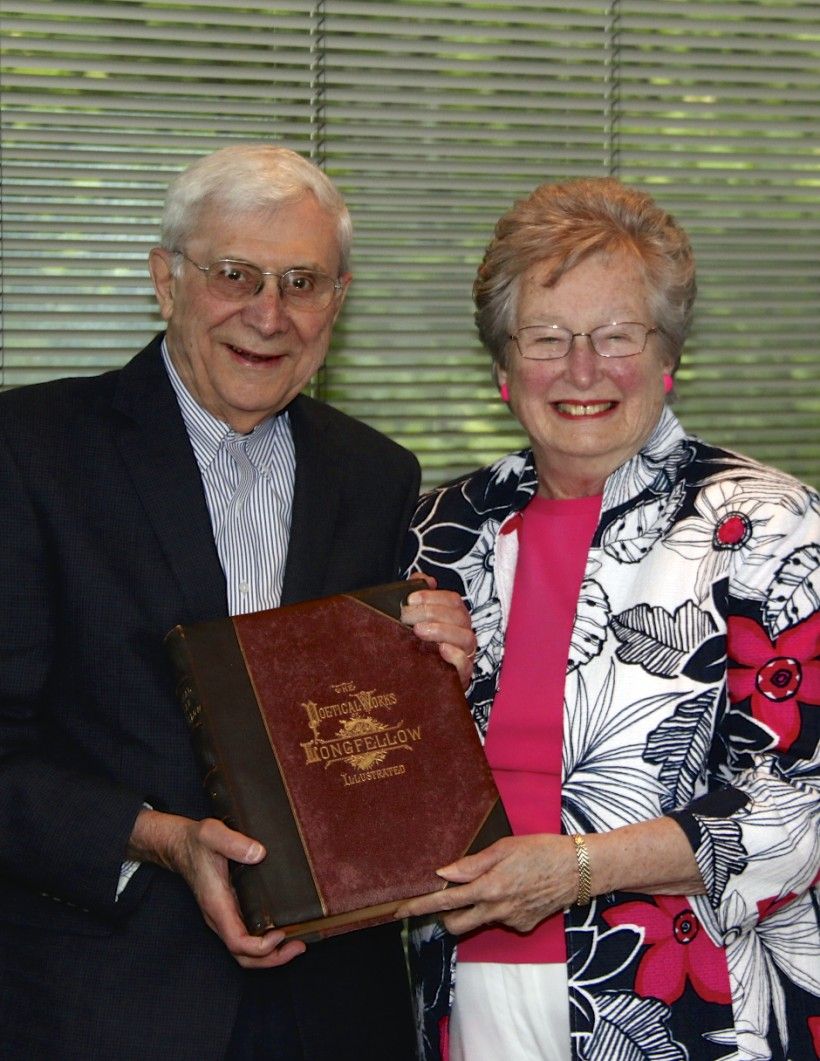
point(330, 733)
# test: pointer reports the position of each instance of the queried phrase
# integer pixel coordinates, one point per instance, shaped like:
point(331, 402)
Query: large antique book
point(330, 733)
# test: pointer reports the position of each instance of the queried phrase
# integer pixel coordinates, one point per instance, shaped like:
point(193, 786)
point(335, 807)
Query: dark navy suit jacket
point(105, 544)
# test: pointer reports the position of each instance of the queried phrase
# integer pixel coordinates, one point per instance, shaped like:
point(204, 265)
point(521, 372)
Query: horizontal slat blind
point(433, 118)
point(437, 117)
point(719, 112)
point(101, 104)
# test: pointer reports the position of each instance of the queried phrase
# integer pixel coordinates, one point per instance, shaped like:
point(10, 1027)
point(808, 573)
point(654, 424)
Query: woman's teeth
point(578, 409)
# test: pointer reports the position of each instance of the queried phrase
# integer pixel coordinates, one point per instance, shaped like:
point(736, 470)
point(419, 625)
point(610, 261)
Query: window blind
point(100, 104)
point(433, 118)
point(721, 123)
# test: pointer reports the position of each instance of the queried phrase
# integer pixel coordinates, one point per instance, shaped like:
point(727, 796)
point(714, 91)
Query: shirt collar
point(207, 432)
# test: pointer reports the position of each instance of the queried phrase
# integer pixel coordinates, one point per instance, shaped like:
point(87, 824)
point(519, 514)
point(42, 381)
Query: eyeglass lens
point(239, 280)
point(543, 342)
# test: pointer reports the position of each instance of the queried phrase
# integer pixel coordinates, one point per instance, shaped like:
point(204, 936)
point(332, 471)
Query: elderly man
point(195, 482)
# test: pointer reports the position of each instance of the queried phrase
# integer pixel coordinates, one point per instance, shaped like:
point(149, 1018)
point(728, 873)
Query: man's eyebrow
point(310, 267)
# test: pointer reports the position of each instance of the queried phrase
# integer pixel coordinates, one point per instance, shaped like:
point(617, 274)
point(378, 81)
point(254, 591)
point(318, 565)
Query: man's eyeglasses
point(298, 288)
point(548, 342)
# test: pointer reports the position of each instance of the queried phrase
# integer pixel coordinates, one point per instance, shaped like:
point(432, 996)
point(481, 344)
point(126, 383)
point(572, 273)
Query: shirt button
point(244, 588)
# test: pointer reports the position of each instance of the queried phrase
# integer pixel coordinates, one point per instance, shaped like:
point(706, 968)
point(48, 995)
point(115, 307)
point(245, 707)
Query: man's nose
point(266, 311)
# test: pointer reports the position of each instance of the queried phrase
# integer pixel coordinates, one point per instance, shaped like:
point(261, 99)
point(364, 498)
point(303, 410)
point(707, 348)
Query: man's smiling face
point(243, 361)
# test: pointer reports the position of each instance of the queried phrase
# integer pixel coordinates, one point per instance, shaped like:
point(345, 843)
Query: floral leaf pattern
point(720, 853)
point(795, 590)
point(630, 537)
point(591, 622)
point(777, 952)
point(627, 789)
point(692, 689)
point(630, 1027)
point(680, 745)
point(658, 641)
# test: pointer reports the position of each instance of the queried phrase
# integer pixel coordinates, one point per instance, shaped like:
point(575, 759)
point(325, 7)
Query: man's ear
point(162, 276)
point(340, 298)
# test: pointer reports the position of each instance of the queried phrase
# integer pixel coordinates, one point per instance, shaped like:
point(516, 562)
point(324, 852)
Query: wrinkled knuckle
point(207, 828)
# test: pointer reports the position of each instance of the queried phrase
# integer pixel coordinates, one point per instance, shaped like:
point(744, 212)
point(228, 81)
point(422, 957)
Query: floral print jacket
point(692, 690)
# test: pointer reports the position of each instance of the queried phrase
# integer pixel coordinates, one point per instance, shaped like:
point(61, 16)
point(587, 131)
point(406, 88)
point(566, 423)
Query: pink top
point(524, 738)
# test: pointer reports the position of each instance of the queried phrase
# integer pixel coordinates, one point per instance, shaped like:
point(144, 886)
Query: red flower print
point(814, 1029)
point(775, 674)
point(732, 530)
point(765, 907)
point(678, 950)
point(444, 1038)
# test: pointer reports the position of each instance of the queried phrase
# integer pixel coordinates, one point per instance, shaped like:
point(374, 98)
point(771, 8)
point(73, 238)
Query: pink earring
point(504, 391)
point(668, 383)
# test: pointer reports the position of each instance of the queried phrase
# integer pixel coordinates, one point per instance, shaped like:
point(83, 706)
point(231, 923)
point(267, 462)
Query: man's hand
point(199, 851)
point(440, 616)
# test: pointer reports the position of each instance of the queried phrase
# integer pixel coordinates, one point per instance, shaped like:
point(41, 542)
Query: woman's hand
point(517, 881)
point(520, 880)
point(439, 615)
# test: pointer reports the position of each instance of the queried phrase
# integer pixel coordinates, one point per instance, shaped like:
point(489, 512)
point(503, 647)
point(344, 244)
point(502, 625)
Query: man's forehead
point(300, 229)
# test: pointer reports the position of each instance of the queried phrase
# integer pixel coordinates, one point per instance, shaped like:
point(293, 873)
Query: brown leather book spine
point(249, 795)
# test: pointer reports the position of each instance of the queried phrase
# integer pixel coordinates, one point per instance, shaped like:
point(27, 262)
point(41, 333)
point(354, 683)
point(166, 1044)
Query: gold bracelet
point(584, 877)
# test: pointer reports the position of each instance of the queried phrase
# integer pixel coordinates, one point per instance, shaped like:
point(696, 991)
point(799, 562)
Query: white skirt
point(510, 1012)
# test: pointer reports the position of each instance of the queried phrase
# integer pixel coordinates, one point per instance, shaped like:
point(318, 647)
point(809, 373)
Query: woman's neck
point(564, 487)
point(563, 476)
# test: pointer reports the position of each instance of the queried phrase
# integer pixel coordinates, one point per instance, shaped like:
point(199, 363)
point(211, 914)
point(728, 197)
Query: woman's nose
point(582, 363)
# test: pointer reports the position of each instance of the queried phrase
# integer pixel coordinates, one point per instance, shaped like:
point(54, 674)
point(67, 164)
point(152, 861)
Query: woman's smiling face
point(585, 414)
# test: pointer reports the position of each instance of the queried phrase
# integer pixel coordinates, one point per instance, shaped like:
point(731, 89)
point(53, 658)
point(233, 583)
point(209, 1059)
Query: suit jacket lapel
point(315, 502)
point(157, 452)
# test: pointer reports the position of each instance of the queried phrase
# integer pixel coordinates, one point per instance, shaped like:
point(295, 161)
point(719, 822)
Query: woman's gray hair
point(562, 225)
point(246, 178)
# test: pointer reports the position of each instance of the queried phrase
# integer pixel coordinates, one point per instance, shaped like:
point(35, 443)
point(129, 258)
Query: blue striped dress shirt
point(248, 481)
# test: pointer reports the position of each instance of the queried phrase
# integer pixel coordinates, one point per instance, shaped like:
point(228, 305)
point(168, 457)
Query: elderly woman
point(646, 680)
